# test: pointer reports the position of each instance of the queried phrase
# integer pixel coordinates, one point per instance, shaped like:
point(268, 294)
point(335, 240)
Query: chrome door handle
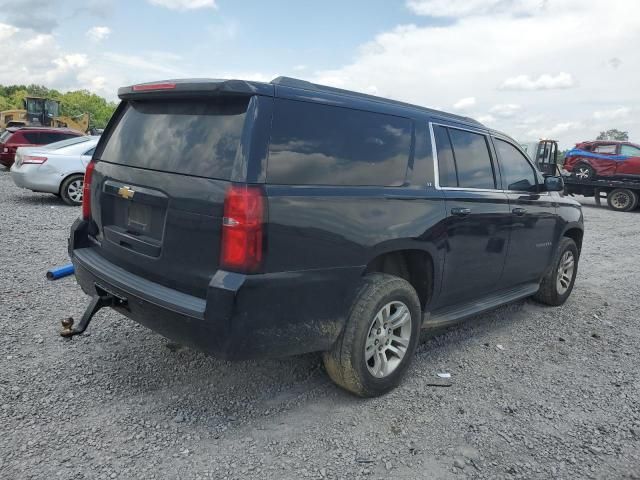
point(460, 211)
point(519, 211)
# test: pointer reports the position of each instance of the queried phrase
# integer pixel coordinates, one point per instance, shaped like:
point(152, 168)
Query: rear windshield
point(4, 136)
point(66, 143)
point(193, 137)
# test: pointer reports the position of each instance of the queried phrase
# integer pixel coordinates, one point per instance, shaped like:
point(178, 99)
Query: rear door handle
point(460, 211)
point(519, 211)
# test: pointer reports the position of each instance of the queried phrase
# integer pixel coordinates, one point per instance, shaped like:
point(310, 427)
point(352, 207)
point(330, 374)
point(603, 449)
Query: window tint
point(630, 151)
point(446, 165)
point(606, 149)
point(517, 172)
point(194, 137)
point(472, 159)
point(51, 137)
point(31, 137)
point(90, 152)
point(314, 144)
point(67, 143)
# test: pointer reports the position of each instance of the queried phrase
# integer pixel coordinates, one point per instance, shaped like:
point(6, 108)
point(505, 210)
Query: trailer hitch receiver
point(97, 302)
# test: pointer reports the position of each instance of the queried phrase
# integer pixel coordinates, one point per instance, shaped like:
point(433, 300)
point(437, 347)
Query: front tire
point(71, 189)
point(379, 339)
point(557, 284)
point(584, 171)
point(622, 200)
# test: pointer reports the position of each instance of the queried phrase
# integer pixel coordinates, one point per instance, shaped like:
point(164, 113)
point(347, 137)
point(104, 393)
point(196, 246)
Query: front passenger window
point(517, 172)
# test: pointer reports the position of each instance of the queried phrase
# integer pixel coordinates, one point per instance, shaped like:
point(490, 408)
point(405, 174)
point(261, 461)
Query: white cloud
point(463, 8)
point(97, 34)
point(612, 114)
point(7, 31)
point(437, 65)
point(505, 110)
point(485, 119)
point(554, 131)
point(543, 82)
point(299, 68)
point(184, 4)
point(464, 103)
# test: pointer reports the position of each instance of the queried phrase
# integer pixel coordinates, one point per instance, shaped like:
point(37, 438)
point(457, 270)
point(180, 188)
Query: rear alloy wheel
point(622, 199)
point(583, 171)
point(71, 189)
point(379, 338)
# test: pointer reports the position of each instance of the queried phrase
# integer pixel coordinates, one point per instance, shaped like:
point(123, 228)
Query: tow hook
point(96, 304)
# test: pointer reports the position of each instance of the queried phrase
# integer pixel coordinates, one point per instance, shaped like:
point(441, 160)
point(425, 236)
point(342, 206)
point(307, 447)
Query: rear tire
point(71, 189)
point(557, 284)
point(379, 338)
point(622, 200)
point(584, 171)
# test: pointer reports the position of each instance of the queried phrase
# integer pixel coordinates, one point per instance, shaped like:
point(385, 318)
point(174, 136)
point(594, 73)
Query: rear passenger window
point(463, 159)
point(50, 137)
point(314, 144)
point(517, 172)
point(446, 165)
point(473, 162)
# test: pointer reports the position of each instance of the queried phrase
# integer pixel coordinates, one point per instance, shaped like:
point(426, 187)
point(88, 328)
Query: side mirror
point(553, 184)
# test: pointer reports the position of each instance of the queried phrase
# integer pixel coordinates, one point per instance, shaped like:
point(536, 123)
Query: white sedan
point(56, 168)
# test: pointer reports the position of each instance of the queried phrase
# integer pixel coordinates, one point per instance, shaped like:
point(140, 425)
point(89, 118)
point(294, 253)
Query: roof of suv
point(209, 85)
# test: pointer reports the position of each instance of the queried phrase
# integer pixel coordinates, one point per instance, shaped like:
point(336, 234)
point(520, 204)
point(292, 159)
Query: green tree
point(73, 104)
point(79, 102)
point(614, 134)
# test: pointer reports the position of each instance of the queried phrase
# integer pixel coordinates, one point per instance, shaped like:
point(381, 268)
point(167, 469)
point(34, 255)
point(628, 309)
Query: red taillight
point(242, 229)
point(154, 86)
point(86, 191)
point(33, 159)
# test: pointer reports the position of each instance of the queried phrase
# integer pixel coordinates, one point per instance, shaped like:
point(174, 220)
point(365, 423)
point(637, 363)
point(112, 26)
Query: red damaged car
point(590, 160)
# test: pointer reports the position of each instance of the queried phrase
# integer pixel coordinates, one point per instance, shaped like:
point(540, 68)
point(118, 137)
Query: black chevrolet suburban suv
point(253, 220)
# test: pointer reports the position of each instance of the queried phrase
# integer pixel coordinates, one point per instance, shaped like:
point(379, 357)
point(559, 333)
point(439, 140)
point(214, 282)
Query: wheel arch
point(415, 265)
point(66, 176)
point(576, 233)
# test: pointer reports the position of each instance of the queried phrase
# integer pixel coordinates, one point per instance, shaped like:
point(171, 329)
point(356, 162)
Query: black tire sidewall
point(65, 185)
point(633, 203)
point(567, 244)
point(395, 290)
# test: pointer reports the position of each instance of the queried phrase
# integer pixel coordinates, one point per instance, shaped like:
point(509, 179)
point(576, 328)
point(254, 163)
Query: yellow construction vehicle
point(42, 112)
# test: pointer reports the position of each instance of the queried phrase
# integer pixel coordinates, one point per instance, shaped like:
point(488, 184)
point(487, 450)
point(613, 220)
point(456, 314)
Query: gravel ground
point(535, 392)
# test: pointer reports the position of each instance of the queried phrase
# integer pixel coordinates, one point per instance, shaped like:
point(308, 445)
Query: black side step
point(450, 315)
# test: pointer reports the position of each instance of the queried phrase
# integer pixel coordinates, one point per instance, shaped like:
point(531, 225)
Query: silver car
point(56, 168)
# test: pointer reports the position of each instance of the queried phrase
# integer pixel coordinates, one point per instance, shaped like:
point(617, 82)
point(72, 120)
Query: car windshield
point(65, 143)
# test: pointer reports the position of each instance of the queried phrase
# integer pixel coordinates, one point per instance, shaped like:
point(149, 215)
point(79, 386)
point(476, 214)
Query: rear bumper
point(242, 317)
point(29, 177)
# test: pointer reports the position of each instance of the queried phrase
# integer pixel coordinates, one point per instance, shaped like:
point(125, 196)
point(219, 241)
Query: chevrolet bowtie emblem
point(126, 192)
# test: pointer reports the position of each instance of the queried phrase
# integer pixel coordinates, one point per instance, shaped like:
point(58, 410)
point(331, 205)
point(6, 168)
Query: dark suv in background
point(256, 220)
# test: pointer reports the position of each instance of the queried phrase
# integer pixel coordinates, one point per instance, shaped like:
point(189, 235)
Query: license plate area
point(139, 218)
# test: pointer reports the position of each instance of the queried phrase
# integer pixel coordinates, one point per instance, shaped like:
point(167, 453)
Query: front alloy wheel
point(565, 272)
point(583, 172)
